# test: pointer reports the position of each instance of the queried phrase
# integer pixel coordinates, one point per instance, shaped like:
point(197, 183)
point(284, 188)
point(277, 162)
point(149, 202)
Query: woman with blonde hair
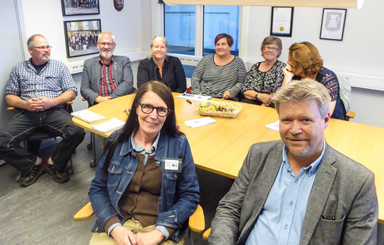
point(162, 67)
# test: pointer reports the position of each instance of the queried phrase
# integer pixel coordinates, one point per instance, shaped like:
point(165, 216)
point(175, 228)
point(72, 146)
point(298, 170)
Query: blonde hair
point(300, 90)
point(158, 37)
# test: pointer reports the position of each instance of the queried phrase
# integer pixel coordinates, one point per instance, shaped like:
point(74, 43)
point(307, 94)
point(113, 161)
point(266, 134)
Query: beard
point(105, 54)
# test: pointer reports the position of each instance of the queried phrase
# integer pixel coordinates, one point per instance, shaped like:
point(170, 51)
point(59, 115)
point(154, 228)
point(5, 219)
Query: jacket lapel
point(97, 72)
point(322, 186)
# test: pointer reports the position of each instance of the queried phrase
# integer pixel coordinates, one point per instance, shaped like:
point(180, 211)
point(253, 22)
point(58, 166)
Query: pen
point(188, 101)
point(188, 95)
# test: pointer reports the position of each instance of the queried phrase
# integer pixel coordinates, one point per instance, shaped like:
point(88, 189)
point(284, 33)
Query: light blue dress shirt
point(281, 220)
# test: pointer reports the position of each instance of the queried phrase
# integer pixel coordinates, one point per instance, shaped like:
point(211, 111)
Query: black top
point(173, 73)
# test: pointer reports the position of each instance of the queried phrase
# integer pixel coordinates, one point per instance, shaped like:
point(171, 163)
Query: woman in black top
point(162, 67)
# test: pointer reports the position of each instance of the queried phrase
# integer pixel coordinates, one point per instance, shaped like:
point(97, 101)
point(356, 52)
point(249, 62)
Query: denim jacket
point(179, 195)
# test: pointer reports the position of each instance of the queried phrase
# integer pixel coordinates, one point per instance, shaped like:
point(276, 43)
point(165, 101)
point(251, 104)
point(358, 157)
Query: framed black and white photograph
point(332, 24)
point(80, 7)
point(281, 21)
point(81, 37)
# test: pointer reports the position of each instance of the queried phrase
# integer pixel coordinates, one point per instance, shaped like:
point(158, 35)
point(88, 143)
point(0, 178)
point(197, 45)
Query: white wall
point(11, 52)
point(360, 52)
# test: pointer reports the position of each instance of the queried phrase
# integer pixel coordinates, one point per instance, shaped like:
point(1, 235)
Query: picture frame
point(81, 37)
point(333, 24)
point(80, 7)
point(281, 21)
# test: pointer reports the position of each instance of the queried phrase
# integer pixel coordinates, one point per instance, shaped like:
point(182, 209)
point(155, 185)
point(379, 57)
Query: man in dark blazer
point(107, 76)
point(299, 190)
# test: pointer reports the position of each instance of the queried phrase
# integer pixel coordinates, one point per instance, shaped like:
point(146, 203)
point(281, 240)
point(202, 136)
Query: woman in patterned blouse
point(304, 61)
point(264, 78)
point(220, 75)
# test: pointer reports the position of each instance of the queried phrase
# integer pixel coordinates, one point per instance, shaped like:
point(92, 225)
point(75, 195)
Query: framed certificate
point(281, 21)
point(332, 24)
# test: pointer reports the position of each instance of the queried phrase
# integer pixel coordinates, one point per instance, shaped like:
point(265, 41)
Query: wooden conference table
point(222, 147)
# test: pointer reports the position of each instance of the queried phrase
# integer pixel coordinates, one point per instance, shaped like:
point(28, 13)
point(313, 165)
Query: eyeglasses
point(42, 47)
point(106, 44)
point(161, 111)
point(271, 48)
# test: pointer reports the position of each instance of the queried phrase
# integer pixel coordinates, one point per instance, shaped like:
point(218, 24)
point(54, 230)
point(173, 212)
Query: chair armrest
point(206, 234)
point(350, 114)
point(84, 213)
point(197, 220)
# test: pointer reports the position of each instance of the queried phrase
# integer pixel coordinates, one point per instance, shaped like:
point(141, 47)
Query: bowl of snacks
point(218, 109)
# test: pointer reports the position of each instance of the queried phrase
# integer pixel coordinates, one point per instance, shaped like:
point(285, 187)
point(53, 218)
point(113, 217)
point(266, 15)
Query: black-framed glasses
point(42, 47)
point(161, 111)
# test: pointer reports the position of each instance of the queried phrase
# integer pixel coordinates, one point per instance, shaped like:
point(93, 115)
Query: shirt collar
point(141, 150)
point(110, 63)
point(312, 168)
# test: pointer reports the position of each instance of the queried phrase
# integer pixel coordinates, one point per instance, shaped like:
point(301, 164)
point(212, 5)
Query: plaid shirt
point(107, 79)
point(53, 80)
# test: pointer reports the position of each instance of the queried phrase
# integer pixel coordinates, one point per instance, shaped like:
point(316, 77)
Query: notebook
point(87, 116)
point(273, 126)
point(199, 122)
point(194, 97)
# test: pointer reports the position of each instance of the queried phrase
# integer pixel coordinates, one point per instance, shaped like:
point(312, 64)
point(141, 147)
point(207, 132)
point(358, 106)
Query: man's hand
point(34, 105)
point(123, 236)
point(227, 95)
point(149, 238)
point(101, 99)
point(47, 103)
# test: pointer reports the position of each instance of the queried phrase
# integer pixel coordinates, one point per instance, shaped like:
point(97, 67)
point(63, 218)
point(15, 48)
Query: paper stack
point(109, 126)
point(273, 126)
point(199, 122)
point(87, 116)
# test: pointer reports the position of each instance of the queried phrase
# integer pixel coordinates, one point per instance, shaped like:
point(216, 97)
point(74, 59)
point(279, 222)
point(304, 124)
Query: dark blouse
point(173, 73)
point(329, 79)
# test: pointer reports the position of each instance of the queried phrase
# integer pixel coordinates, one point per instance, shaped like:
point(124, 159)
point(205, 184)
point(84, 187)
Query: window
point(221, 19)
point(179, 28)
point(180, 23)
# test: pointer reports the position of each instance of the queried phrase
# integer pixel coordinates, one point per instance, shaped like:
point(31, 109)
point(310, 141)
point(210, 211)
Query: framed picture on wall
point(81, 37)
point(281, 21)
point(80, 7)
point(332, 24)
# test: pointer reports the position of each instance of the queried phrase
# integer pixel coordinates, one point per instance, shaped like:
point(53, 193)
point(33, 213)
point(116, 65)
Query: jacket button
point(175, 176)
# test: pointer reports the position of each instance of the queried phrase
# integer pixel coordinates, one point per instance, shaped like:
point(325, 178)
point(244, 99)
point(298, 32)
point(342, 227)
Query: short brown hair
point(272, 40)
point(305, 58)
point(224, 35)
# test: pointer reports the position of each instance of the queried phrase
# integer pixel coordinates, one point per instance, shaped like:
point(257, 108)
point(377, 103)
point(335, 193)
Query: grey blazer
point(342, 208)
point(90, 81)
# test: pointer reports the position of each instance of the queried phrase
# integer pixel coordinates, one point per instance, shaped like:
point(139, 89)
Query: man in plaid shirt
point(39, 88)
point(107, 76)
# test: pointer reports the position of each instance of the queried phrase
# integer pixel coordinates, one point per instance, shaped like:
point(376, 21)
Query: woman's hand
point(149, 238)
point(288, 74)
point(227, 95)
point(265, 98)
point(123, 236)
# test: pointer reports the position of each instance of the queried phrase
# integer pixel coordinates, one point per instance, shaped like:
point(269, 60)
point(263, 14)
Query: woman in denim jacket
point(145, 186)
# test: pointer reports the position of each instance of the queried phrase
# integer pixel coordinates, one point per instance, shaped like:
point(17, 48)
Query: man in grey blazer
point(299, 190)
point(107, 76)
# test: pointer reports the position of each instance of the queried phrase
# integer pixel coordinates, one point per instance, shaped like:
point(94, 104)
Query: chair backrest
point(345, 92)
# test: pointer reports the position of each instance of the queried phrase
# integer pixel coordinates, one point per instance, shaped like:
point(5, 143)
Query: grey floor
point(43, 212)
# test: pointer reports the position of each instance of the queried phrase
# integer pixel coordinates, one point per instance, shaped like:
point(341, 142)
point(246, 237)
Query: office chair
point(345, 94)
point(32, 144)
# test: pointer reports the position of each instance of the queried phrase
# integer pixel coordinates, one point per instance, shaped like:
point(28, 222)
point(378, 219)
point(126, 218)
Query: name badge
point(171, 165)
